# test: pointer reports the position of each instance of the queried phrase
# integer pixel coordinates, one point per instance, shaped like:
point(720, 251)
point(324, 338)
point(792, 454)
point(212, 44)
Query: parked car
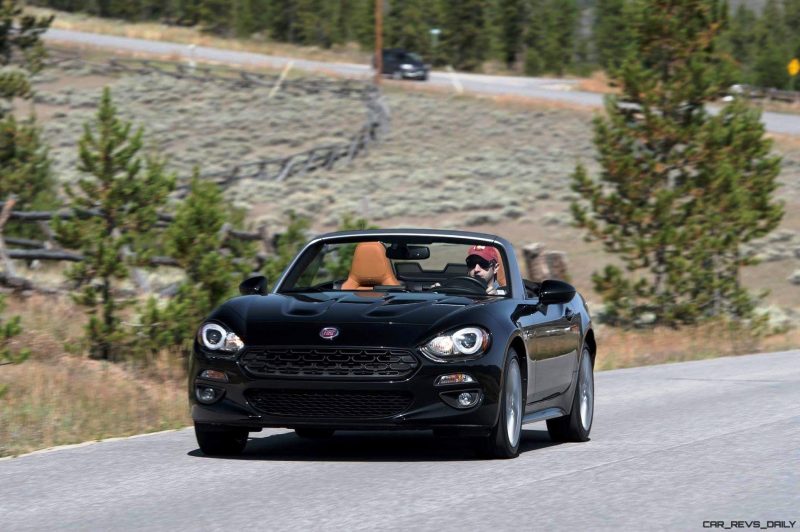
point(386, 329)
point(400, 64)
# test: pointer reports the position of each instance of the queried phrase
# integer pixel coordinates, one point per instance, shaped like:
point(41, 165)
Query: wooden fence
point(322, 157)
point(49, 250)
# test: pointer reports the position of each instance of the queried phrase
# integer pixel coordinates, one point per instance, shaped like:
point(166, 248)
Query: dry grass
point(597, 82)
point(69, 399)
point(629, 348)
point(55, 398)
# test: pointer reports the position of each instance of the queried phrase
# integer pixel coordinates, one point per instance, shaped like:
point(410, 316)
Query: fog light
point(462, 399)
point(207, 394)
point(214, 375)
point(453, 378)
point(467, 399)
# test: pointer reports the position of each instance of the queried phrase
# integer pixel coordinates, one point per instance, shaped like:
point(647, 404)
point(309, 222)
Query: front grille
point(341, 363)
point(329, 404)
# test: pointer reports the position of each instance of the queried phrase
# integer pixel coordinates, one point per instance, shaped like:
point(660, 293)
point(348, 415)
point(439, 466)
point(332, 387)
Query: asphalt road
point(562, 90)
point(672, 446)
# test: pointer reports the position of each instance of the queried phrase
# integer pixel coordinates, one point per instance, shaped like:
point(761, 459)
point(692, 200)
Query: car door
point(389, 62)
point(533, 320)
point(555, 346)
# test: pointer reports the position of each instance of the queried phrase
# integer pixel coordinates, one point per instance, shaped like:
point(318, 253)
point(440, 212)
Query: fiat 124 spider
point(396, 329)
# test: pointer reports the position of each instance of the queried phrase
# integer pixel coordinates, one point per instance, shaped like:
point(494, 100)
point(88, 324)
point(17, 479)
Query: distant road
point(539, 88)
point(672, 447)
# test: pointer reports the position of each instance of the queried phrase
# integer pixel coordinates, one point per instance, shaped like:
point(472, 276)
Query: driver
point(483, 262)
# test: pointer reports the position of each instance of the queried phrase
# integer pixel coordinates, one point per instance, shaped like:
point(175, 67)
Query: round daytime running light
point(470, 341)
point(214, 337)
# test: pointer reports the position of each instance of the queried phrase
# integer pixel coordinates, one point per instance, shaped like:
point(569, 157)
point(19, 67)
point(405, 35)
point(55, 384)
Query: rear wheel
point(503, 442)
point(313, 433)
point(578, 424)
point(220, 441)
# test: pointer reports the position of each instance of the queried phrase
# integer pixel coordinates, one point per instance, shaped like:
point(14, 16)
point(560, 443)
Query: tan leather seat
point(370, 268)
point(501, 274)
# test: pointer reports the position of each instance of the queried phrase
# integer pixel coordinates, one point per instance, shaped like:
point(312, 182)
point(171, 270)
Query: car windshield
point(411, 57)
point(472, 268)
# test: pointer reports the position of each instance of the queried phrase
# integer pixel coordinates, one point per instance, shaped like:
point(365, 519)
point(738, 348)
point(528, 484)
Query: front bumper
point(414, 74)
point(415, 402)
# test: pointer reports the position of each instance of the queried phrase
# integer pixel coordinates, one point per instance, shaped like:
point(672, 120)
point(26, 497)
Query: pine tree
point(610, 32)
point(26, 172)
point(282, 19)
point(551, 37)
point(791, 18)
point(213, 264)
point(363, 23)
point(116, 207)
point(407, 25)
point(774, 48)
point(8, 330)
point(739, 39)
point(513, 17)
point(464, 38)
point(680, 190)
point(23, 157)
point(21, 46)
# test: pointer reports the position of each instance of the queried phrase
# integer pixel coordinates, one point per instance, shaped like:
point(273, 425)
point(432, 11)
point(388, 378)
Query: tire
point(578, 424)
point(504, 439)
point(313, 433)
point(220, 441)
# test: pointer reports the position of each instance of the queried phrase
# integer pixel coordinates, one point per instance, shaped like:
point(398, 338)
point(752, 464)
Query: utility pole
point(378, 41)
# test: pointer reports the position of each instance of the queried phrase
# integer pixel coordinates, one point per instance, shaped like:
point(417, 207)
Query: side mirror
point(554, 292)
point(254, 286)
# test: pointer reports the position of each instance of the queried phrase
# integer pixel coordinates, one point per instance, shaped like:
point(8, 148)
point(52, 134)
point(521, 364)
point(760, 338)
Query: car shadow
point(372, 446)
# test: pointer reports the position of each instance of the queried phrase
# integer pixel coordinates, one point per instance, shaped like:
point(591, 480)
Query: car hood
point(364, 318)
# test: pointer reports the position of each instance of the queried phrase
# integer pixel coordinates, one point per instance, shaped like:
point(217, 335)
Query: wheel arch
point(518, 345)
point(589, 341)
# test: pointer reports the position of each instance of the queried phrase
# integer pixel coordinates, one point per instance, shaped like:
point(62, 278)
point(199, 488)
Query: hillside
point(449, 161)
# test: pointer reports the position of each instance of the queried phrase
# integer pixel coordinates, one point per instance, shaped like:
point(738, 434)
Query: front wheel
point(503, 442)
point(577, 425)
point(220, 441)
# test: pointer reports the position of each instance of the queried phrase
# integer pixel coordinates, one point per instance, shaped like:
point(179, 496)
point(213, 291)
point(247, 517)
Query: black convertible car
point(396, 329)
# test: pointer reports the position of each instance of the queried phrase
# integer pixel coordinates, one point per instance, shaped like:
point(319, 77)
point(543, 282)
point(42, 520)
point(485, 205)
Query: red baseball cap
point(485, 252)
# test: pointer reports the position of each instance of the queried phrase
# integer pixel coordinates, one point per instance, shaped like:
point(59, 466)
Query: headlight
point(215, 337)
point(407, 66)
point(469, 342)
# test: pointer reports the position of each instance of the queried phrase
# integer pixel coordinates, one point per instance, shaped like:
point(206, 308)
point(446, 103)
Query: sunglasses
point(483, 263)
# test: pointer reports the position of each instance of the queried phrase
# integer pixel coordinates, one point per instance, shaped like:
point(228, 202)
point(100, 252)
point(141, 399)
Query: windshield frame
point(309, 253)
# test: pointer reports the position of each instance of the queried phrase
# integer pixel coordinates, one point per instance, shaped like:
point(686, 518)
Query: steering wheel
point(465, 283)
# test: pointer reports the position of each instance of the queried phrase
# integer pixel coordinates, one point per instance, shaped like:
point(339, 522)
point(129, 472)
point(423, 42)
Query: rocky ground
point(449, 161)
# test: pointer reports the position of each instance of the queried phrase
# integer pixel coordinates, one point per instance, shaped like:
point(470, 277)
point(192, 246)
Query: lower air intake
point(329, 404)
